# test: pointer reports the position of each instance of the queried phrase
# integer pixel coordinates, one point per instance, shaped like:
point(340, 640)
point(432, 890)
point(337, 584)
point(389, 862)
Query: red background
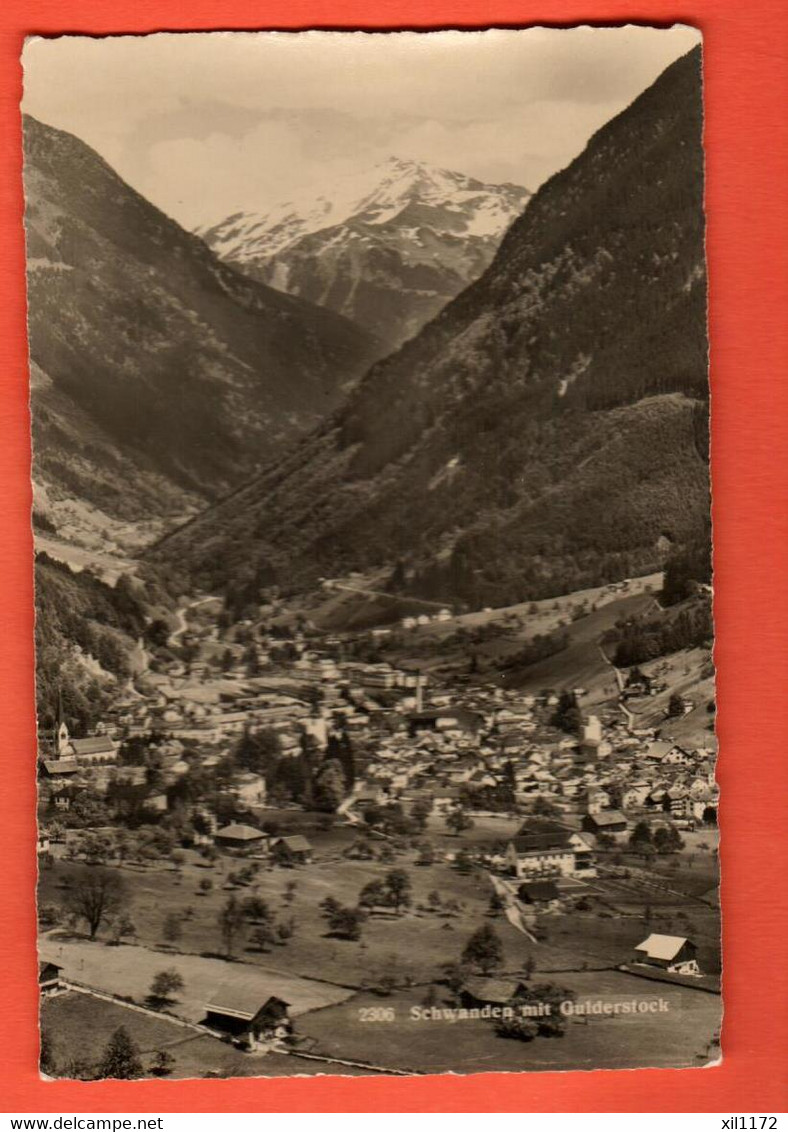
point(747, 167)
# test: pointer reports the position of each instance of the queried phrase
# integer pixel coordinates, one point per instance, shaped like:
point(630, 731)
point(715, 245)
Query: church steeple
point(62, 738)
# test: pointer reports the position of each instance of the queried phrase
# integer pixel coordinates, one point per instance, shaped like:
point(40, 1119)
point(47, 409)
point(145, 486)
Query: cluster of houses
point(477, 747)
point(474, 740)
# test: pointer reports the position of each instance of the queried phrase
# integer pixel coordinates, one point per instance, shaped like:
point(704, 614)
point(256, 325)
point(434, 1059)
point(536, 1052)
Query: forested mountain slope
point(179, 374)
point(548, 430)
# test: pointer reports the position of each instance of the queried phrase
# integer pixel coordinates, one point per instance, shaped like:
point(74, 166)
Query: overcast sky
point(207, 124)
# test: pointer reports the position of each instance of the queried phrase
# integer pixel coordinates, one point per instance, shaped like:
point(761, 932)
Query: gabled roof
point(100, 744)
point(539, 890)
point(491, 990)
point(236, 1001)
point(240, 832)
point(540, 833)
point(537, 844)
point(658, 750)
point(662, 946)
point(61, 766)
point(608, 817)
point(297, 843)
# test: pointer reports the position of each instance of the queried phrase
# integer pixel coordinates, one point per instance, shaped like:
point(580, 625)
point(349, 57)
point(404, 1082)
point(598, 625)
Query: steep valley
point(547, 431)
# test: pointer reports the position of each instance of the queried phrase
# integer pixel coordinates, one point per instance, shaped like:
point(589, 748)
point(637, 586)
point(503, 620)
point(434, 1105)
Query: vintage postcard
point(373, 554)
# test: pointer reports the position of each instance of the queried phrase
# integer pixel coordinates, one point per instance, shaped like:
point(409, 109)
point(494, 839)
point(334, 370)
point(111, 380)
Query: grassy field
point(677, 1037)
point(580, 948)
point(77, 1022)
point(128, 970)
point(422, 940)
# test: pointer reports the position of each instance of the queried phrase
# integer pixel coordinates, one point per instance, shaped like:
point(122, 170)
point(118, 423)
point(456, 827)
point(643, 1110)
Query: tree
point(163, 1063)
point(675, 706)
point(397, 577)
point(640, 838)
point(458, 821)
point(251, 660)
point(374, 894)
point(263, 936)
point(171, 930)
point(496, 905)
point(258, 751)
point(523, 1029)
point(288, 896)
point(122, 926)
point(328, 906)
point(205, 886)
point(285, 929)
point(231, 922)
point(567, 716)
point(46, 1053)
point(426, 854)
point(667, 839)
point(120, 1058)
point(544, 808)
point(94, 895)
point(346, 922)
point(256, 909)
point(329, 786)
point(399, 887)
point(157, 633)
point(165, 984)
point(454, 975)
point(483, 950)
point(420, 811)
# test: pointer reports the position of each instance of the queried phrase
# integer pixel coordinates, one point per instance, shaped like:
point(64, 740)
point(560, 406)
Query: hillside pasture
point(78, 1022)
point(679, 1036)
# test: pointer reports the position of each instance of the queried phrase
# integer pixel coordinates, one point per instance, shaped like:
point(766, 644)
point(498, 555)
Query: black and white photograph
point(370, 423)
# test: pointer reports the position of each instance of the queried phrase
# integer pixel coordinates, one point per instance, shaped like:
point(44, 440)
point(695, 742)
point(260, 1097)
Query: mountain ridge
point(547, 430)
point(191, 370)
point(387, 247)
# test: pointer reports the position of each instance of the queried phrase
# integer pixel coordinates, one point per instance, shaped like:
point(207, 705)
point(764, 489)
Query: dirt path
point(388, 596)
point(512, 909)
point(180, 615)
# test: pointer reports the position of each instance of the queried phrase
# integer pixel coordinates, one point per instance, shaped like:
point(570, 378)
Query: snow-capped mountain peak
point(402, 226)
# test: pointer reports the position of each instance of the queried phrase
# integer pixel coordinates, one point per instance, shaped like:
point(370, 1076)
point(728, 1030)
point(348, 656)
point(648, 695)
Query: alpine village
point(374, 672)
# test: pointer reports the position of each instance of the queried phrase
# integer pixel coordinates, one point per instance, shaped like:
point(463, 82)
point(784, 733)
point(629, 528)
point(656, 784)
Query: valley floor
point(356, 1003)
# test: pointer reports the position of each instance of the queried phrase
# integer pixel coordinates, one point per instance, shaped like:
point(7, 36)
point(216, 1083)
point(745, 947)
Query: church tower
point(62, 738)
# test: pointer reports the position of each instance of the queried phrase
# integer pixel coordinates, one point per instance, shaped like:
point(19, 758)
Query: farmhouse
point(545, 848)
point(606, 821)
point(294, 850)
point(49, 980)
point(480, 992)
point(670, 952)
point(59, 768)
point(241, 838)
point(253, 1024)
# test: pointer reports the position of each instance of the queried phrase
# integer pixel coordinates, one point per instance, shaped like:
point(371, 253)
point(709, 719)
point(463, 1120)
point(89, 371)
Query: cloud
point(204, 124)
